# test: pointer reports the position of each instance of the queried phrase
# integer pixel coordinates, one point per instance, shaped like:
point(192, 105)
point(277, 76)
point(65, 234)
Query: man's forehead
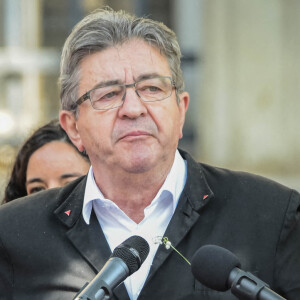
point(129, 51)
point(134, 60)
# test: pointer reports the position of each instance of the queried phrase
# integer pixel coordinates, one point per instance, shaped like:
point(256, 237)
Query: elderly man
point(123, 102)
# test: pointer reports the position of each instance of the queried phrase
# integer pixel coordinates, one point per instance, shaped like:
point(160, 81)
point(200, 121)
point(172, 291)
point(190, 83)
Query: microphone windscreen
point(211, 265)
point(133, 252)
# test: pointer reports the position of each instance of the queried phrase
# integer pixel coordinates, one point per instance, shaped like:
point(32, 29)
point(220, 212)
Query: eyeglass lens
point(149, 90)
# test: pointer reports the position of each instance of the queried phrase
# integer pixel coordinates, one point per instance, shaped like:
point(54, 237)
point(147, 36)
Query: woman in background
point(46, 160)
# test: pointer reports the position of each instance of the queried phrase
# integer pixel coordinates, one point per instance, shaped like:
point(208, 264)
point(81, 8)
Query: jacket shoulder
point(236, 185)
point(232, 179)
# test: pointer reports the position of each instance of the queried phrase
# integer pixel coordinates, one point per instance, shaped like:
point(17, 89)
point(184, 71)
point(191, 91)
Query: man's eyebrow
point(117, 81)
point(147, 76)
point(68, 175)
point(106, 83)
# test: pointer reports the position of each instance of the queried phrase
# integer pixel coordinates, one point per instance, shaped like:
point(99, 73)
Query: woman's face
point(54, 165)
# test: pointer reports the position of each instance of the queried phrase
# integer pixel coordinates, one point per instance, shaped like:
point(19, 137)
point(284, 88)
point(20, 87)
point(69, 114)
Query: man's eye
point(109, 96)
point(150, 88)
point(153, 88)
point(106, 94)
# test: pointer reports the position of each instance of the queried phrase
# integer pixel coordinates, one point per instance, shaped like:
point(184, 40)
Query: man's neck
point(131, 192)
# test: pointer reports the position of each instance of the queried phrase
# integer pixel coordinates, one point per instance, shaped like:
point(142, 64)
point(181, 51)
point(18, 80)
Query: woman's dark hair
point(50, 132)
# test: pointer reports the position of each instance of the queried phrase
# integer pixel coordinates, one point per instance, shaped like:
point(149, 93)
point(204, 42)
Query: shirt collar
point(174, 184)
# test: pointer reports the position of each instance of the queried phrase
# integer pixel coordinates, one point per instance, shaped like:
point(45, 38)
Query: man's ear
point(68, 123)
point(183, 106)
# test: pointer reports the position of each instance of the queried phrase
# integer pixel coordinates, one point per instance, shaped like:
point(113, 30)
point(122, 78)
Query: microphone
point(219, 269)
point(125, 260)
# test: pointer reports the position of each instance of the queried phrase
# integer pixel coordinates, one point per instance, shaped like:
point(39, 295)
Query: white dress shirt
point(117, 226)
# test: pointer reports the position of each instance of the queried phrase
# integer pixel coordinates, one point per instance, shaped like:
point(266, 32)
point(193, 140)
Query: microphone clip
point(97, 292)
point(245, 284)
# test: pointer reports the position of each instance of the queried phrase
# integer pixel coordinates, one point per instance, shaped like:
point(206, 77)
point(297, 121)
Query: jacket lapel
point(89, 240)
point(195, 195)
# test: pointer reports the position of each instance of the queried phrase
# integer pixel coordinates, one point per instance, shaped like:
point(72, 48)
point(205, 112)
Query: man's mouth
point(135, 135)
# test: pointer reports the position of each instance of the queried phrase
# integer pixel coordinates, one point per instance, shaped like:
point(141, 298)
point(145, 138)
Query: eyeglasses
point(112, 96)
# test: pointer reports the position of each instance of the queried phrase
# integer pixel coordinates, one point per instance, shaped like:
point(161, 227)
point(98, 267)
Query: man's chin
point(138, 162)
point(139, 165)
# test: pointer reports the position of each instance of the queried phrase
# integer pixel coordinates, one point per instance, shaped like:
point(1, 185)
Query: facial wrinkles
point(133, 66)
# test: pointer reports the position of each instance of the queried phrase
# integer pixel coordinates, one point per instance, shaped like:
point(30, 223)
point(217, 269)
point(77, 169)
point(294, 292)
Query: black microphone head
point(211, 265)
point(133, 252)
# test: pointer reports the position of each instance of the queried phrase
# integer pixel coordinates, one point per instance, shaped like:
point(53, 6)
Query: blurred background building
point(241, 63)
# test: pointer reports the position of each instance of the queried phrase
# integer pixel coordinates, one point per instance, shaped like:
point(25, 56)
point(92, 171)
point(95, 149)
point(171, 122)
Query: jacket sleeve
point(287, 272)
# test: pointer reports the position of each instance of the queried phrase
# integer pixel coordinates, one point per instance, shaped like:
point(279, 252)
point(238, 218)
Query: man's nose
point(133, 107)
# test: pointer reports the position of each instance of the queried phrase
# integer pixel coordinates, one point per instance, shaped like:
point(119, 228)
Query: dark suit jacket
point(47, 251)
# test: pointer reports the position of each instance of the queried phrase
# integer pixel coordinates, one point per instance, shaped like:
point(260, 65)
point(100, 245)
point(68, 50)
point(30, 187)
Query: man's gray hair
point(105, 28)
